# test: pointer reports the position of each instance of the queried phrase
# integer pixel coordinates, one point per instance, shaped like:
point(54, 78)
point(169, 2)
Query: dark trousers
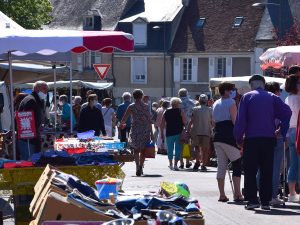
point(123, 133)
point(258, 154)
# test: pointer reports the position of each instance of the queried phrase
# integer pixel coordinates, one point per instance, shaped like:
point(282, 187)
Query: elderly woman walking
point(140, 131)
point(224, 115)
point(174, 120)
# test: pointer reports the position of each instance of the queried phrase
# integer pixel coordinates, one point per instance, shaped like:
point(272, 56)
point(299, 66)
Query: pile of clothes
point(60, 196)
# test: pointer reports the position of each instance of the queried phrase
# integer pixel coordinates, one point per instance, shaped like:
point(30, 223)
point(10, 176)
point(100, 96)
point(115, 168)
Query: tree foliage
point(30, 14)
point(292, 36)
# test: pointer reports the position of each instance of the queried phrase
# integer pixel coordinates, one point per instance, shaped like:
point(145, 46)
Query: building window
point(238, 21)
point(88, 22)
point(200, 23)
point(90, 58)
point(140, 34)
point(221, 67)
point(139, 70)
point(187, 69)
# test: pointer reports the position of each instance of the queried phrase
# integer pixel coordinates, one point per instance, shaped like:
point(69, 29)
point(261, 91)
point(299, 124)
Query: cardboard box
point(35, 206)
point(48, 171)
point(56, 207)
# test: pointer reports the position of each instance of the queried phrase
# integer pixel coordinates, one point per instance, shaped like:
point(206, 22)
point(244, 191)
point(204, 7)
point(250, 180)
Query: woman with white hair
point(174, 120)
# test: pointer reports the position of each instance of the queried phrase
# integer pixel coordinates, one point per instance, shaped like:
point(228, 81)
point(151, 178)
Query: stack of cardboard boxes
point(51, 202)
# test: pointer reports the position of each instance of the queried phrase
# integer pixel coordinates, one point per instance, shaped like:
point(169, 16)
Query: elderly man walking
point(255, 130)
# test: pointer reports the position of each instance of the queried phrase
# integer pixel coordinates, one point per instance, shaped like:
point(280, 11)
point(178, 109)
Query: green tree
point(30, 14)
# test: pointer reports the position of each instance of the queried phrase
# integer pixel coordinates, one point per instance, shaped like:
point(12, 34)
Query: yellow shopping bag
point(186, 151)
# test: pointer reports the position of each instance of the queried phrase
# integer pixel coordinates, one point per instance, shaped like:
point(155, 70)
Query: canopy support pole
point(55, 101)
point(13, 128)
point(71, 93)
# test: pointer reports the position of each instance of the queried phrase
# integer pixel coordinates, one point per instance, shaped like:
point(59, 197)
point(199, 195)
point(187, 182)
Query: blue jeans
point(278, 156)
point(171, 141)
point(293, 174)
point(25, 153)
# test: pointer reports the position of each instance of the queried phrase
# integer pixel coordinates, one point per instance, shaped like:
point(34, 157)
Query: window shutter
point(194, 69)
point(79, 62)
point(176, 69)
point(97, 58)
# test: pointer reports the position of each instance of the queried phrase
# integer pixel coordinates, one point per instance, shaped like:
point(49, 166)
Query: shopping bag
point(186, 151)
point(149, 151)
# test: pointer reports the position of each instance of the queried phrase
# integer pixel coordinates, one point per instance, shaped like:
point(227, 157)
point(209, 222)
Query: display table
point(22, 180)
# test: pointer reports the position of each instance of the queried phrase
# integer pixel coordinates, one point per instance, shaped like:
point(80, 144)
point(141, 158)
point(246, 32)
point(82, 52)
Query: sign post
point(101, 70)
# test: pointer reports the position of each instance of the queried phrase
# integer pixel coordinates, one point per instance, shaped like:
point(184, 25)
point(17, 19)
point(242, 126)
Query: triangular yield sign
point(101, 69)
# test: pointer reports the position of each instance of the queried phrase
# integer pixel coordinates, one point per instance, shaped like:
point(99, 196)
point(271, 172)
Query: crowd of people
point(249, 133)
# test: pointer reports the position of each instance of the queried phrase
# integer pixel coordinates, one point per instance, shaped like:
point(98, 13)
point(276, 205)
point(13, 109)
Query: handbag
point(149, 151)
point(186, 151)
point(184, 137)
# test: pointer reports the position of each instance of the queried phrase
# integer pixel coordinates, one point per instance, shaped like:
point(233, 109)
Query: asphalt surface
point(203, 186)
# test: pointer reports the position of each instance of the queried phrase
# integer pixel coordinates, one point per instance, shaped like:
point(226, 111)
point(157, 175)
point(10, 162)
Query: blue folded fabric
point(82, 187)
point(95, 158)
point(192, 207)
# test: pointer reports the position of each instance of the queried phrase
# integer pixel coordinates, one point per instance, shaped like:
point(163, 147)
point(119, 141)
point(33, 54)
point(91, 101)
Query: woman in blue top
point(66, 111)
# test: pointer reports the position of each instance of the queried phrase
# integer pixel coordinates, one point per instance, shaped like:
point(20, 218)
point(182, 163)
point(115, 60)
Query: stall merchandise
point(60, 195)
point(49, 42)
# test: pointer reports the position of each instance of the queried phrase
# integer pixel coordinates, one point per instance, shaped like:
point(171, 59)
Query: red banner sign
point(26, 125)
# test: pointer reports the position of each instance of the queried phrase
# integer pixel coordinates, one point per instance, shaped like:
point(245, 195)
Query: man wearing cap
point(200, 128)
point(255, 130)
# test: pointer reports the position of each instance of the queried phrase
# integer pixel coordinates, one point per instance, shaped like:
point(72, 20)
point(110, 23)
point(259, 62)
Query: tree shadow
point(276, 211)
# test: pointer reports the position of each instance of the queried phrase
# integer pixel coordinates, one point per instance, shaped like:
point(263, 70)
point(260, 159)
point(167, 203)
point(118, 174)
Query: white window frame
point(221, 66)
point(139, 31)
point(90, 58)
point(85, 22)
point(187, 74)
point(134, 77)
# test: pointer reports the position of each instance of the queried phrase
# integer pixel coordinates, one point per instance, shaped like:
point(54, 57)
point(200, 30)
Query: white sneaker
point(276, 201)
point(293, 198)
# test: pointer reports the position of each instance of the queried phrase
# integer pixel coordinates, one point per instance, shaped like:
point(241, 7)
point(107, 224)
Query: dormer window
point(238, 21)
point(88, 23)
point(200, 23)
point(139, 31)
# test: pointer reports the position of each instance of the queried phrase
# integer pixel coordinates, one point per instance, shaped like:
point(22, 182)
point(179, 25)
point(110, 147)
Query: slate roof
point(154, 10)
point(271, 18)
point(218, 34)
point(4, 19)
point(68, 14)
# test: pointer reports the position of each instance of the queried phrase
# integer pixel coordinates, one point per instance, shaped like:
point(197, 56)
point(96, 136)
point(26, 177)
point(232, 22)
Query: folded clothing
point(55, 158)
point(2, 161)
point(17, 164)
point(94, 158)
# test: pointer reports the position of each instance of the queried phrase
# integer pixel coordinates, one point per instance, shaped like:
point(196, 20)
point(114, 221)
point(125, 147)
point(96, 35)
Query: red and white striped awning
point(48, 42)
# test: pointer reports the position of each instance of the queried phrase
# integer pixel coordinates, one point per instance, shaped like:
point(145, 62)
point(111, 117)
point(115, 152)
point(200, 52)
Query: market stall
point(14, 176)
point(279, 57)
point(48, 42)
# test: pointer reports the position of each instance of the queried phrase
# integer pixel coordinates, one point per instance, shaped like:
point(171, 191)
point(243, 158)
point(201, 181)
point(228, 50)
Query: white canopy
point(241, 83)
point(66, 84)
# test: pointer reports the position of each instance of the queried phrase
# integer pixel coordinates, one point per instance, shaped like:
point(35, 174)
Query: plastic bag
point(186, 151)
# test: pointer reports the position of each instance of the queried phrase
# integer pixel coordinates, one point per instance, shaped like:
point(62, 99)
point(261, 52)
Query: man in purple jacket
point(255, 130)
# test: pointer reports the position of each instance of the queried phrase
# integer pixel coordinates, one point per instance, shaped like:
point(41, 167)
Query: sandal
point(225, 199)
point(239, 199)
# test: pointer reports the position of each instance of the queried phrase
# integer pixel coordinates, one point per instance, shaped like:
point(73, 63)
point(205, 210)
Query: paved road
point(203, 186)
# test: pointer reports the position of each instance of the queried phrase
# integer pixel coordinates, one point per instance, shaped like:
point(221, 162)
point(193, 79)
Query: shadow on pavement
point(277, 212)
point(149, 175)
